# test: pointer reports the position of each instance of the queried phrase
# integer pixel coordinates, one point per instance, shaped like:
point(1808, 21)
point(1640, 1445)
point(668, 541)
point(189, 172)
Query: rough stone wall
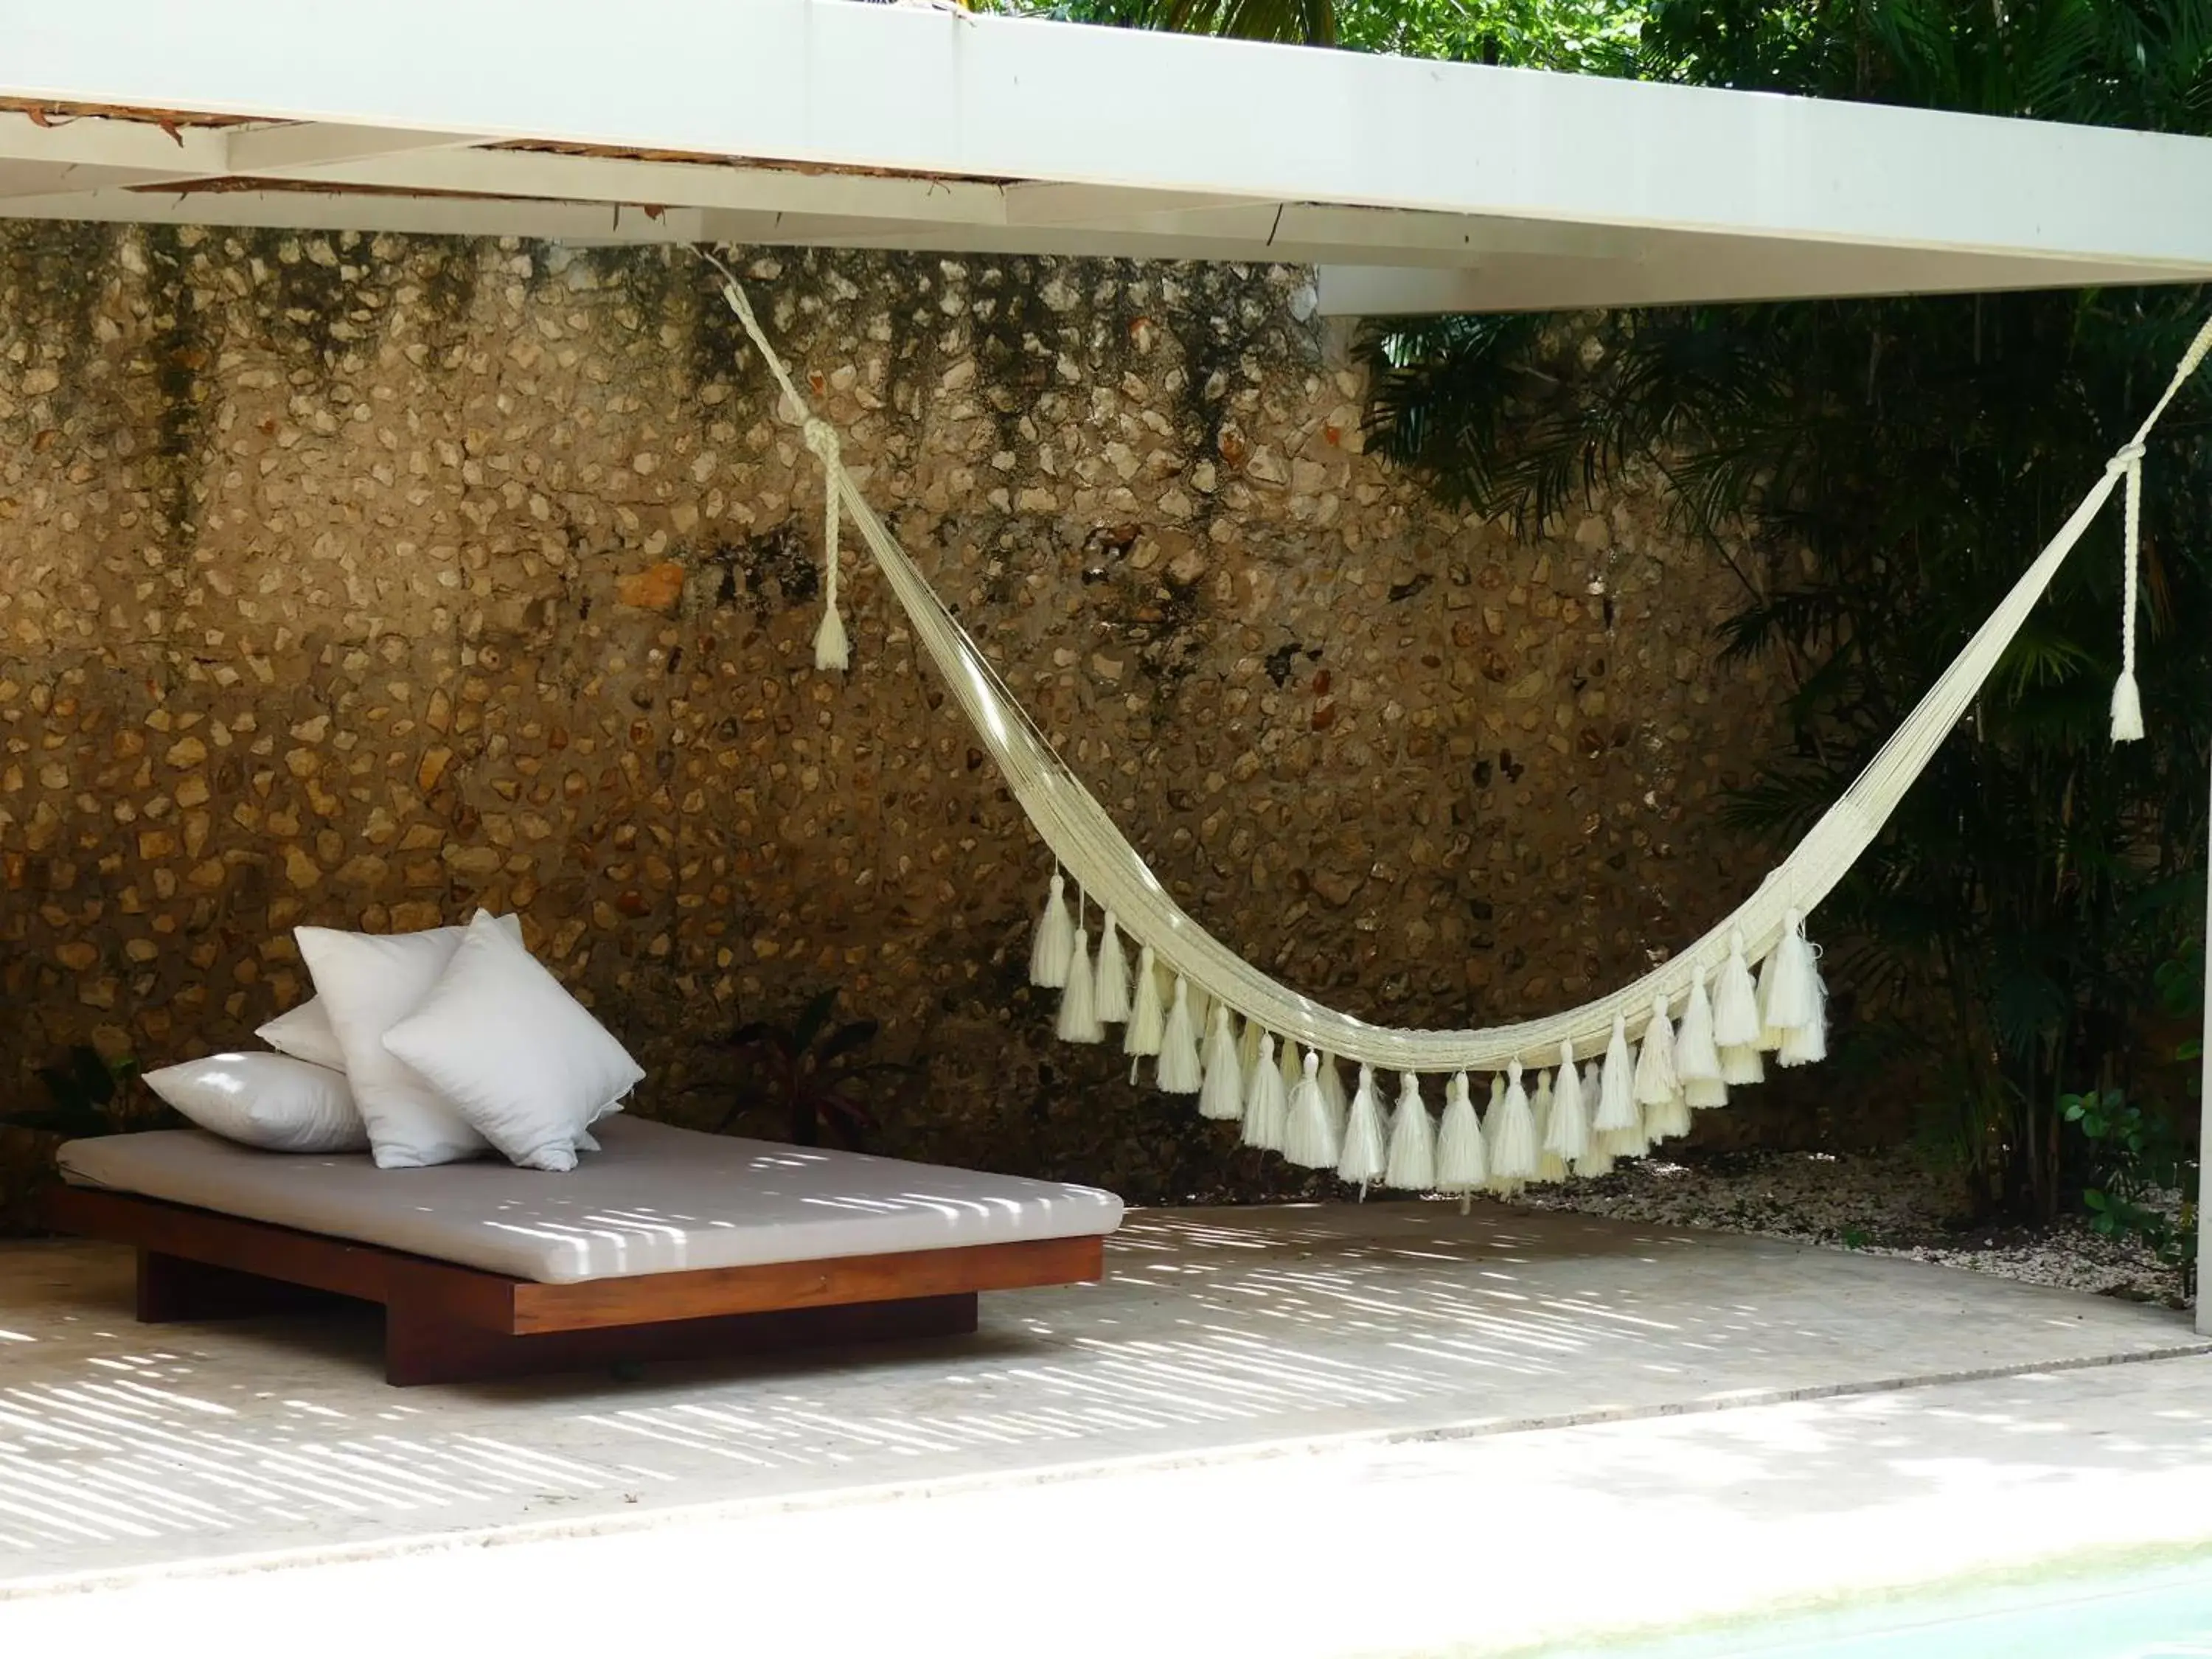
point(361, 582)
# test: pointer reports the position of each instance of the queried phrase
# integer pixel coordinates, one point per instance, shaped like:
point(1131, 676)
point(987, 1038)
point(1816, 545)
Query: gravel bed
point(1883, 1203)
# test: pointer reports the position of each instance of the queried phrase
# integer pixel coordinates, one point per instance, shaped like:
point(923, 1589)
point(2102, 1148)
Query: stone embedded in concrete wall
point(363, 580)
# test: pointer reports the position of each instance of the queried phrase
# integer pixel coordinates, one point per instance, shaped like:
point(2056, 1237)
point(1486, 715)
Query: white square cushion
point(271, 1101)
point(368, 983)
point(525, 1062)
point(305, 1033)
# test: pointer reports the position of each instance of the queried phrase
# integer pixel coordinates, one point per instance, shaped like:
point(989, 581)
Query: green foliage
point(2102, 63)
point(806, 1075)
point(1594, 36)
point(1878, 472)
point(2180, 985)
point(2137, 1161)
point(86, 1096)
point(1303, 22)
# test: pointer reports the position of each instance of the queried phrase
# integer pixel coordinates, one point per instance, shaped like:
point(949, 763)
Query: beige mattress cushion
point(656, 1199)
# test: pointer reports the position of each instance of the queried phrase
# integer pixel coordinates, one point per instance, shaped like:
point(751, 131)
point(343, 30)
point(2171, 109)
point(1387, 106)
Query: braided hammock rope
point(1641, 1090)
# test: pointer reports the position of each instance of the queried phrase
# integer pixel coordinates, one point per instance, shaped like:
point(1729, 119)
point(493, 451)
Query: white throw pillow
point(271, 1101)
point(525, 1063)
point(368, 983)
point(305, 1033)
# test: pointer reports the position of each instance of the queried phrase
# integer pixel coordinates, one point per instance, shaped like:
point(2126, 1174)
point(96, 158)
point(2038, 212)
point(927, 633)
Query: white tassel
point(1697, 1056)
point(1706, 1093)
point(1413, 1165)
point(1221, 1098)
point(1494, 1131)
point(1146, 1026)
point(1616, 1088)
point(2127, 708)
point(1667, 1120)
point(1248, 1049)
point(1266, 1104)
point(1594, 1162)
point(1735, 1003)
point(1332, 1093)
point(1807, 1044)
point(1740, 1065)
point(1461, 1166)
point(2127, 699)
point(1309, 1137)
point(1056, 937)
point(1362, 1159)
point(1770, 1039)
point(1202, 1016)
point(1697, 1059)
point(1079, 1007)
point(1624, 1143)
point(1110, 992)
point(1292, 1071)
point(830, 647)
point(1567, 1136)
point(1550, 1166)
point(1176, 1073)
point(1793, 995)
point(1513, 1154)
point(1656, 1083)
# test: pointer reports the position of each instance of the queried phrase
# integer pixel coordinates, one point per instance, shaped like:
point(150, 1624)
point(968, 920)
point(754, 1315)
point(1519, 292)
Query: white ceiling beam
point(1651, 271)
point(919, 129)
point(19, 178)
point(917, 90)
point(299, 210)
point(1067, 205)
point(709, 185)
point(106, 153)
point(277, 151)
point(111, 147)
point(1680, 277)
point(1429, 239)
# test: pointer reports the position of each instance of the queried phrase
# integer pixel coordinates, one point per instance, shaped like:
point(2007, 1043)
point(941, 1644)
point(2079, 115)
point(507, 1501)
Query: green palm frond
point(1880, 472)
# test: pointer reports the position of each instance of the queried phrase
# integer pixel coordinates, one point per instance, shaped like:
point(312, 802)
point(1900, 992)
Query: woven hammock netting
point(1566, 1094)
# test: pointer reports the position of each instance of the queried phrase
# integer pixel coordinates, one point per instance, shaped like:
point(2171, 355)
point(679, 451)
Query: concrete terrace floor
point(2033, 1505)
point(1220, 1339)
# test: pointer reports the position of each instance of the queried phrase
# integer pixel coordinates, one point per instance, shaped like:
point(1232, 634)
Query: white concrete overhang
point(1415, 186)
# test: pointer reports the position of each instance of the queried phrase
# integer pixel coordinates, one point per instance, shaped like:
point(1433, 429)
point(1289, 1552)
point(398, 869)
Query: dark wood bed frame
point(444, 1323)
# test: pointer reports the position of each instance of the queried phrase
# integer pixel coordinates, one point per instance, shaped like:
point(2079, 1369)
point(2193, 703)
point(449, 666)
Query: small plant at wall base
point(2136, 1167)
point(86, 1095)
point(807, 1076)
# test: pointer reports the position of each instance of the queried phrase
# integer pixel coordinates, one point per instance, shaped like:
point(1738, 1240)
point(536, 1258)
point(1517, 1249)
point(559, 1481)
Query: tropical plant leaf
point(812, 1018)
point(846, 1038)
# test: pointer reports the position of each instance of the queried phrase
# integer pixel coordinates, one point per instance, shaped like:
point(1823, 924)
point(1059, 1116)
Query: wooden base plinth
point(419, 1347)
point(444, 1323)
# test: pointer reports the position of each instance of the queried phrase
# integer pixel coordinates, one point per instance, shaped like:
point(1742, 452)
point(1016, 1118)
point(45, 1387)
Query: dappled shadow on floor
point(2014, 1441)
point(1212, 1329)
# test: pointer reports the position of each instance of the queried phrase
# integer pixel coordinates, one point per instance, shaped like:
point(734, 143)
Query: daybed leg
point(173, 1288)
point(420, 1348)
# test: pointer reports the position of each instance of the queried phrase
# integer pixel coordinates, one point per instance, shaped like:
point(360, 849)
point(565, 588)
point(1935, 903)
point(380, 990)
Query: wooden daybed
point(666, 1244)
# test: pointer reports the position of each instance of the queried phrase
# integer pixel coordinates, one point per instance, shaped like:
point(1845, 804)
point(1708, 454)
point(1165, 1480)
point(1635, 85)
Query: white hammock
point(1191, 989)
